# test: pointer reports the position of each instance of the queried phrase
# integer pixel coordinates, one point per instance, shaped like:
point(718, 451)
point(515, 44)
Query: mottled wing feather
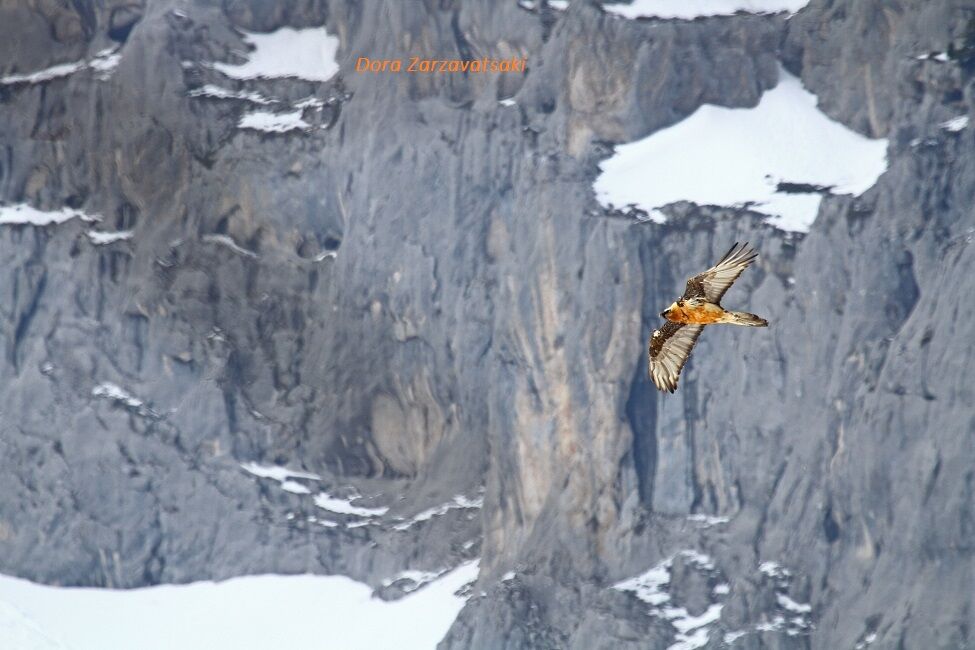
point(668, 350)
point(713, 283)
point(694, 288)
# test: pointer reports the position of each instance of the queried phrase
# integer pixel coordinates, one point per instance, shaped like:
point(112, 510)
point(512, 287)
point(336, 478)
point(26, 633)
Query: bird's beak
point(663, 314)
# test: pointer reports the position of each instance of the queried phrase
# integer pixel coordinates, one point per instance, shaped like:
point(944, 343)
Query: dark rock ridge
point(479, 332)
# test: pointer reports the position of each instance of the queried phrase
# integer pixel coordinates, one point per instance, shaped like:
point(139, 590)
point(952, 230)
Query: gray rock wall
point(482, 324)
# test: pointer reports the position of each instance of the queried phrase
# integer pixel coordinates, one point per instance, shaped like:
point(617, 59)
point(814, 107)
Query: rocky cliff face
point(417, 300)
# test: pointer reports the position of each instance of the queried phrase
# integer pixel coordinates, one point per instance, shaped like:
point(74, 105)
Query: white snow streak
point(99, 238)
point(733, 157)
point(706, 521)
point(212, 91)
point(310, 102)
point(294, 487)
point(940, 57)
point(103, 64)
point(344, 507)
point(955, 124)
point(731, 637)
point(47, 74)
point(459, 501)
point(23, 214)
point(787, 603)
point(304, 53)
point(774, 570)
point(273, 122)
point(363, 516)
point(115, 392)
point(689, 9)
point(277, 472)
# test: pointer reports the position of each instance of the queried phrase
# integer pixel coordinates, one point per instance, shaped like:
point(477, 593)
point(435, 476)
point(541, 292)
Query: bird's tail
point(746, 319)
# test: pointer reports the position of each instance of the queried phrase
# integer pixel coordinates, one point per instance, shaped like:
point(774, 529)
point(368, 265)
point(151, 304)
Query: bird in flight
point(671, 345)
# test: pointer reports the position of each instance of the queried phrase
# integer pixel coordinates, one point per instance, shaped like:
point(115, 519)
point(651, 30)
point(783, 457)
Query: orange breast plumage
point(704, 314)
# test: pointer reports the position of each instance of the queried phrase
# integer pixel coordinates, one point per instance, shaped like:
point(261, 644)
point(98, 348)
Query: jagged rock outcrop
point(418, 297)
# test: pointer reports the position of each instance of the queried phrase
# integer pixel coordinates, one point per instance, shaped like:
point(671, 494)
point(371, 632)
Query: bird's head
point(673, 309)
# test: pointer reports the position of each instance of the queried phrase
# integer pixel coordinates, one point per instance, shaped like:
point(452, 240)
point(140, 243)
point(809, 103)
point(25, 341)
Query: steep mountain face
point(418, 301)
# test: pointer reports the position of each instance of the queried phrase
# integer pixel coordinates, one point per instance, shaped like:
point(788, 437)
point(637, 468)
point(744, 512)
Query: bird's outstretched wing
point(713, 283)
point(668, 350)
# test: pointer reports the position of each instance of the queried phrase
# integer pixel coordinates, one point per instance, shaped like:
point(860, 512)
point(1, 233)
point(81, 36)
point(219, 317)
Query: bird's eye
point(680, 303)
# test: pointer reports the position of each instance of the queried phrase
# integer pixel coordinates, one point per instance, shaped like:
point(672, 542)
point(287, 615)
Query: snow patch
point(344, 506)
point(284, 476)
point(731, 637)
point(47, 74)
point(690, 9)
point(692, 631)
point(102, 238)
point(303, 53)
point(310, 102)
point(115, 392)
point(559, 5)
point(23, 214)
point(103, 64)
point(739, 157)
point(940, 57)
point(273, 122)
point(955, 124)
point(247, 613)
point(791, 617)
point(648, 586)
point(213, 91)
point(278, 473)
point(787, 603)
point(337, 505)
point(509, 101)
point(774, 570)
point(698, 559)
point(706, 521)
point(20, 632)
point(651, 587)
point(459, 501)
point(774, 625)
point(294, 487)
